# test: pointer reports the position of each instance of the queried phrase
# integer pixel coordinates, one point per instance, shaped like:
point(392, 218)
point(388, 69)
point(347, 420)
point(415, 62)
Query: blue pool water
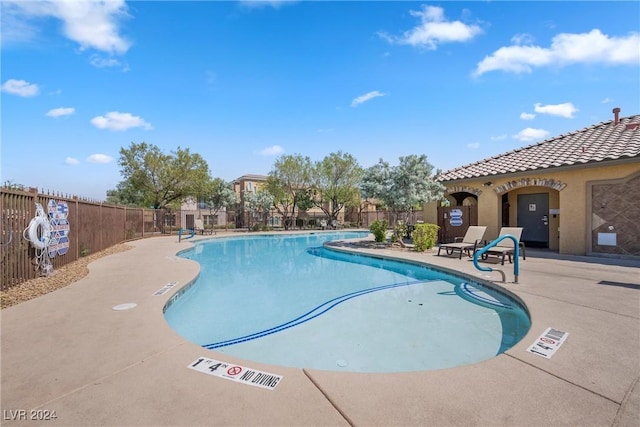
point(287, 300)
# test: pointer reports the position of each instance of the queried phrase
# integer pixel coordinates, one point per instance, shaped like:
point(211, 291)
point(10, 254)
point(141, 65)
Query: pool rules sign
point(59, 241)
point(548, 343)
point(236, 373)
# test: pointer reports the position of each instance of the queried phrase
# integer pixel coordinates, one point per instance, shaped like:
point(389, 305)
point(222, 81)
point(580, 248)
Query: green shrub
point(84, 251)
point(400, 230)
point(424, 236)
point(379, 230)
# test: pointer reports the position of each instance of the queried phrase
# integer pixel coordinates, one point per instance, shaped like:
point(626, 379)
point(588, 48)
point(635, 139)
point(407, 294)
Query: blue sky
point(242, 83)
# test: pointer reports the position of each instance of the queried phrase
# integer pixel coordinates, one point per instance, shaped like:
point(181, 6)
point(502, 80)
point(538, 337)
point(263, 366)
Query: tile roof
point(602, 142)
point(251, 177)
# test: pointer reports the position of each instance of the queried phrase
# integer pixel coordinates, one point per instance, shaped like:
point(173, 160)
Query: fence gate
point(455, 220)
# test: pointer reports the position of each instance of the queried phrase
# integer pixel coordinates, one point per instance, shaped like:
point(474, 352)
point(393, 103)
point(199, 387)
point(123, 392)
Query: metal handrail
point(192, 232)
point(516, 261)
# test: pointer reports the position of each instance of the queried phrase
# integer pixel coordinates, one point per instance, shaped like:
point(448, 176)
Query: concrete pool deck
point(70, 352)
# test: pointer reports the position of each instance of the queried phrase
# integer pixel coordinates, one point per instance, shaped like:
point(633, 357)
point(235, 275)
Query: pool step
point(477, 295)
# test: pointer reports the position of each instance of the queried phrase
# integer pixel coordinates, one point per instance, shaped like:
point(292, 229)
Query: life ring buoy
point(39, 232)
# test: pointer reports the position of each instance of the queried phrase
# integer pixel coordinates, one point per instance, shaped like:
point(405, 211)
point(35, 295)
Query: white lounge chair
point(199, 227)
point(469, 243)
point(506, 247)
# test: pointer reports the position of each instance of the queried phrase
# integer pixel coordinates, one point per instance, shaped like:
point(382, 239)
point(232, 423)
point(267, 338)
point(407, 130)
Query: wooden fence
point(454, 221)
point(93, 227)
point(364, 219)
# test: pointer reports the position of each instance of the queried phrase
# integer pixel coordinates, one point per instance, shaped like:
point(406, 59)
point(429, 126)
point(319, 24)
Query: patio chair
point(199, 227)
point(505, 247)
point(469, 243)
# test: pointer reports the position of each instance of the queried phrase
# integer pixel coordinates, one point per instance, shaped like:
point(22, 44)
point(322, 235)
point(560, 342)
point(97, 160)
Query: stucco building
point(577, 193)
point(254, 183)
point(251, 183)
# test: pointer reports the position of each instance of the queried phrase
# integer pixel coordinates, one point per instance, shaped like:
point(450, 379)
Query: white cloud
point(593, 47)
point(101, 62)
point(527, 116)
point(607, 100)
point(266, 3)
point(59, 112)
point(20, 88)
point(531, 134)
point(274, 150)
point(115, 120)
point(566, 110)
point(498, 137)
point(473, 145)
point(71, 161)
point(92, 24)
point(13, 28)
point(99, 158)
point(522, 38)
point(433, 30)
point(366, 97)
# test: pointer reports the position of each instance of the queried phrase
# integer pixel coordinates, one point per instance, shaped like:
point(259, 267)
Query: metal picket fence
point(92, 227)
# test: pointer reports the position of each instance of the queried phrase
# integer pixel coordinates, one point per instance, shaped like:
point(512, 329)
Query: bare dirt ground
point(63, 276)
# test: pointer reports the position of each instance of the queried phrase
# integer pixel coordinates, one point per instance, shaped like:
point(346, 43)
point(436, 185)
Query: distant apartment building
point(192, 210)
point(250, 183)
point(240, 217)
point(254, 183)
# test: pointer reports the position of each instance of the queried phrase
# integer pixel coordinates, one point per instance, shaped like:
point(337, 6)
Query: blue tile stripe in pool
point(319, 310)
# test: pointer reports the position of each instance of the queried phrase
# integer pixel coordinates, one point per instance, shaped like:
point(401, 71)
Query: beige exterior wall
point(569, 231)
point(190, 207)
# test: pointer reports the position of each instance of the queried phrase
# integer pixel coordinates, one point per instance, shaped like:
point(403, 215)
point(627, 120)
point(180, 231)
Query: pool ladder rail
point(516, 260)
point(191, 232)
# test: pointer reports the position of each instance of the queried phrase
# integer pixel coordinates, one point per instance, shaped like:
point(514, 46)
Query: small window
point(211, 220)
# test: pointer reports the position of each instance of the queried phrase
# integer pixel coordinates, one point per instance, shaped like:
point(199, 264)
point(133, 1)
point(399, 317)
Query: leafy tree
point(335, 183)
point(304, 203)
point(376, 181)
point(288, 182)
point(404, 187)
point(163, 180)
point(218, 194)
point(125, 194)
point(258, 204)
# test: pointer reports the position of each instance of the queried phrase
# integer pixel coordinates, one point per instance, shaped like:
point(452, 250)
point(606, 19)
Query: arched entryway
point(457, 213)
point(533, 204)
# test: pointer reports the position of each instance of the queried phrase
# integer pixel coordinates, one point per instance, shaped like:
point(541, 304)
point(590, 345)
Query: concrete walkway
point(71, 353)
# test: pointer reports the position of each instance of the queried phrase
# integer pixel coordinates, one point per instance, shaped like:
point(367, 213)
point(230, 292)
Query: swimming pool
point(287, 300)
